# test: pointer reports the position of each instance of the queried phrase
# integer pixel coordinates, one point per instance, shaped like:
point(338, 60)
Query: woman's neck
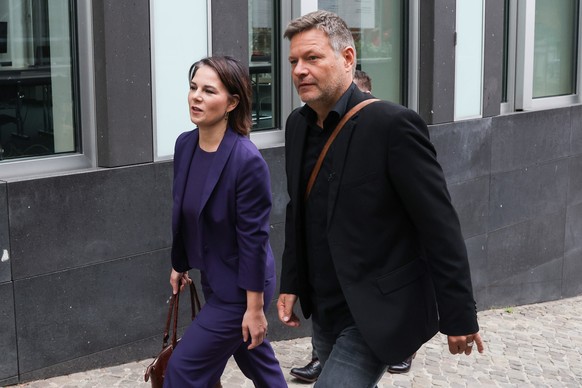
point(210, 138)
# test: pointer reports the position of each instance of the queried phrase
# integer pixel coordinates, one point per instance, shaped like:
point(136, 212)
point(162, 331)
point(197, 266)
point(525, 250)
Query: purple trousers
point(215, 335)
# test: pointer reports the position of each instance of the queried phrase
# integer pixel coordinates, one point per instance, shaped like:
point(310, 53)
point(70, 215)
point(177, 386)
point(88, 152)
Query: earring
point(226, 116)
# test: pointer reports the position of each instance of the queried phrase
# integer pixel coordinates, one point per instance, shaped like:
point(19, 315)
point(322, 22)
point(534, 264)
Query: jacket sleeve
point(253, 208)
point(419, 180)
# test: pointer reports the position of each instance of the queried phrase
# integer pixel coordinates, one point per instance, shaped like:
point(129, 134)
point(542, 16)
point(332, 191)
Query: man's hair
point(331, 24)
point(363, 80)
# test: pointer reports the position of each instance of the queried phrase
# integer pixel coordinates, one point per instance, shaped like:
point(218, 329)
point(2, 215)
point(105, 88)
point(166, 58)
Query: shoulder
point(246, 151)
point(184, 137)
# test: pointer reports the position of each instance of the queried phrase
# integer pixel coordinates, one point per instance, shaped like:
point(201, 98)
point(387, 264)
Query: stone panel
point(5, 274)
point(576, 148)
point(8, 353)
point(275, 158)
point(573, 252)
point(529, 252)
point(528, 193)
point(471, 200)
point(575, 187)
point(463, 149)
point(477, 252)
point(74, 220)
point(521, 140)
point(73, 314)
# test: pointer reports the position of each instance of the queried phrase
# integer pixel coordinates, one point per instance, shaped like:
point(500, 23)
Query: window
point(541, 62)
point(263, 50)
point(555, 48)
point(469, 59)
point(380, 29)
point(179, 37)
point(38, 92)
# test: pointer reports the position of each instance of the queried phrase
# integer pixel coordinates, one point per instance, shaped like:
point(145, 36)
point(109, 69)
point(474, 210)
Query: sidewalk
point(527, 346)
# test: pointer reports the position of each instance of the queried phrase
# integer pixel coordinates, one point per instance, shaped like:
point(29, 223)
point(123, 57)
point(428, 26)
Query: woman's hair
point(335, 27)
point(236, 80)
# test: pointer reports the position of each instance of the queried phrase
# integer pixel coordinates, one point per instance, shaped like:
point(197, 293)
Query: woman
point(222, 201)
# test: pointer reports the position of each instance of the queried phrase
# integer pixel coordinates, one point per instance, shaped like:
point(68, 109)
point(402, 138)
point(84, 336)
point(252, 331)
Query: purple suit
point(233, 255)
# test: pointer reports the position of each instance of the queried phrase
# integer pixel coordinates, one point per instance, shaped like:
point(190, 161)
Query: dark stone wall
point(85, 256)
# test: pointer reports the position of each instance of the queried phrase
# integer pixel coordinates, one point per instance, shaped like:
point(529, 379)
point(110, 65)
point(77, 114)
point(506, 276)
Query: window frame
point(520, 46)
point(83, 78)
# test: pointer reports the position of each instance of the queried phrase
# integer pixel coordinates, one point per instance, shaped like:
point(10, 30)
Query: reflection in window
point(36, 83)
point(263, 54)
point(379, 29)
point(555, 53)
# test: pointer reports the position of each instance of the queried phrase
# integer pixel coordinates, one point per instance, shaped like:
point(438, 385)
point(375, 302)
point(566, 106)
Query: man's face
point(319, 74)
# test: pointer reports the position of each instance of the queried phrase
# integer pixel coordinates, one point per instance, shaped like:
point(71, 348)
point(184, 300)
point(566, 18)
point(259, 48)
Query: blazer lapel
point(339, 148)
point(181, 174)
point(297, 140)
point(218, 164)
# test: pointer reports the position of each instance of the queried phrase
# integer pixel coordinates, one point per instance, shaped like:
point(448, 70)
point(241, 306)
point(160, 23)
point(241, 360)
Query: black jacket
point(394, 235)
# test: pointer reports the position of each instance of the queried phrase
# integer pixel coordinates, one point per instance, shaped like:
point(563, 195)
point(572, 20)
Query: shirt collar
point(336, 113)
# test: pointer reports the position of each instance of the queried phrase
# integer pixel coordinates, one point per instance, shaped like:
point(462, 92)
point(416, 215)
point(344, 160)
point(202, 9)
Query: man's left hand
point(459, 344)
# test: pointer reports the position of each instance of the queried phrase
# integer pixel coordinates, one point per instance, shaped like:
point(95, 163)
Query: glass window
point(263, 51)
point(555, 53)
point(38, 111)
point(379, 29)
point(179, 37)
point(468, 59)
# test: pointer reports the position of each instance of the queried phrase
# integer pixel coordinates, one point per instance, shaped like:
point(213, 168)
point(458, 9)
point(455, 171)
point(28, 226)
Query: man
point(374, 253)
point(310, 372)
point(363, 81)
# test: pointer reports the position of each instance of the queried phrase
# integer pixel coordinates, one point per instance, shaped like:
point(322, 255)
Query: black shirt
point(330, 309)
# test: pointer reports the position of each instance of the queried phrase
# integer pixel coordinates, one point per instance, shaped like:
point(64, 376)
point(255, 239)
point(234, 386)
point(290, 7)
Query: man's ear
point(234, 100)
point(349, 55)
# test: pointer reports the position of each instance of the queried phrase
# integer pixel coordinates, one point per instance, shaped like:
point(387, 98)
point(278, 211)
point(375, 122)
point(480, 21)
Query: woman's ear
point(234, 100)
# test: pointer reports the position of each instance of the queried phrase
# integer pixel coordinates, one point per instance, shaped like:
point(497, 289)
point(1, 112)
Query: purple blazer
point(234, 254)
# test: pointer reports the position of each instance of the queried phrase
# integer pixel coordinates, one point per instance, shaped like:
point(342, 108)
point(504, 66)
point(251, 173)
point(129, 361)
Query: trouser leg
point(346, 359)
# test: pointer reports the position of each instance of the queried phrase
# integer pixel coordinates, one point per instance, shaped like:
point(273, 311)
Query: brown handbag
point(157, 369)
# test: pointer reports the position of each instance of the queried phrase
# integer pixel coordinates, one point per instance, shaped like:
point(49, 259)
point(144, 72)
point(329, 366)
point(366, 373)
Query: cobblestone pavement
point(527, 346)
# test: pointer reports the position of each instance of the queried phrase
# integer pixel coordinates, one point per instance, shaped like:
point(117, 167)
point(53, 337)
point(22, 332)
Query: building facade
point(93, 94)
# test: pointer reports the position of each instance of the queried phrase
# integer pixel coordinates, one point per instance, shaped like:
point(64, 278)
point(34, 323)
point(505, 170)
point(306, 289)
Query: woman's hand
point(178, 280)
point(254, 323)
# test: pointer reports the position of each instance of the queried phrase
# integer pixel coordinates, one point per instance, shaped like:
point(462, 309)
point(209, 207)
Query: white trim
point(509, 106)
point(524, 54)
point(413, 53)
point(209, 26)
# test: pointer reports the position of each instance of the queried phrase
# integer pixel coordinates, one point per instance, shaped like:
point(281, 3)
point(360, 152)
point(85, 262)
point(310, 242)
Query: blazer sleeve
point(253, 208)
point(419, 180)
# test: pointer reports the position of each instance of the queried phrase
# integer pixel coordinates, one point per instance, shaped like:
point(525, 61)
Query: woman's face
point(209, 100)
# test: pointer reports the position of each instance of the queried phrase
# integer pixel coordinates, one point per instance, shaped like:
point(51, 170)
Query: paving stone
point(538, 345)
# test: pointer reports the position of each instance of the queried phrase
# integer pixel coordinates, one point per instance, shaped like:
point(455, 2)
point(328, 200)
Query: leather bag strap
point(172, 318)
point(332, 137)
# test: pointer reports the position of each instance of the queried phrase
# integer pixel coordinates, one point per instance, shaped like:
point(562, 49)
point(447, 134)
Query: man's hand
point(285, 308)
point(459, 344)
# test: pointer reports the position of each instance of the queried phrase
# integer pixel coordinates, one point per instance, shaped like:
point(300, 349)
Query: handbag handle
point(332, 137)
point(173, 314)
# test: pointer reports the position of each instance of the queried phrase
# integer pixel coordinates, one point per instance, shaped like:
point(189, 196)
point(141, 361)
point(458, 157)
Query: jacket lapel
point(181, 174)
point(339, 149)
point(297, 142)
point(218, 164)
